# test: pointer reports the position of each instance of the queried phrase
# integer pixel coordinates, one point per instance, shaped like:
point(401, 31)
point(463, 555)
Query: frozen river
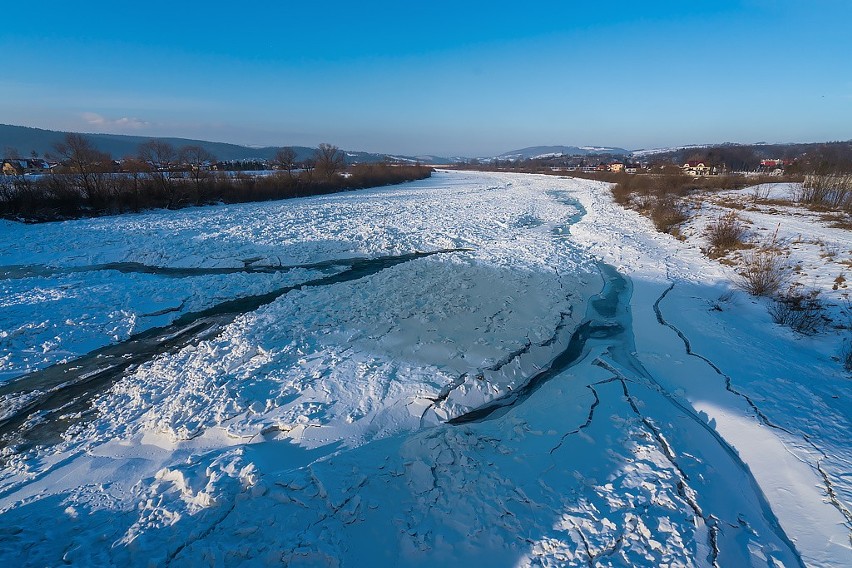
point(474, 368)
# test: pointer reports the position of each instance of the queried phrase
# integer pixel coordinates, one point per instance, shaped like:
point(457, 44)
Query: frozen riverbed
point(492, 368)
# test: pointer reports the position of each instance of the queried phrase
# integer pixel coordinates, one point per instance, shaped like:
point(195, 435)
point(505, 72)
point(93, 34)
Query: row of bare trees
point(96, 177)
point(88, 182)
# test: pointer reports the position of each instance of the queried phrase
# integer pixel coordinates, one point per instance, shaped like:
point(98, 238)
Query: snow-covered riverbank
point(313, 430)
point(770, 393)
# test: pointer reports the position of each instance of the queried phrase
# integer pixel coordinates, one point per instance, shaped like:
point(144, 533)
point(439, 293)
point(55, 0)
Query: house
point(37, 166)
point(775, 163)
point(21, 166)
point(632, 168)
point(617, 167)
point(14, 167)
point(696, 168)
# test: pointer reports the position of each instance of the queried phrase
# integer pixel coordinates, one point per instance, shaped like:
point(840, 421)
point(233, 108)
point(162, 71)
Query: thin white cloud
point(123, 122)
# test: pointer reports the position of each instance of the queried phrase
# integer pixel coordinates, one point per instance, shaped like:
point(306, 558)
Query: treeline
point(90, 183)
point(829, 158)
point(819, 159)
point(538, 165)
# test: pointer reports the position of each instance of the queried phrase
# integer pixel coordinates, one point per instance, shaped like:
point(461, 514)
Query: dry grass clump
point(833, 192)
point(667, 213)
point(726, 233)
point(764, 271)
point(730, 203)
point(761, 192)
point(621, 194)
point(838, 220)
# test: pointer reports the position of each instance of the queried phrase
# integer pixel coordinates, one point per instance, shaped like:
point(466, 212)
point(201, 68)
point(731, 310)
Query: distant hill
point(534, 152)
point(649, 152)
point(429, 159)
point(25, 139)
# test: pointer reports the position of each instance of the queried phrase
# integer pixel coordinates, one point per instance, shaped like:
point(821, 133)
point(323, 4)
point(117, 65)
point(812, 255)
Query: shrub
point(828, 191)
point(667, 213)
point(726, 232)
point(60, 196)
point(621, 193)
point(761, 192)
point(764, 271)
point(802, 312)
point(656, 195)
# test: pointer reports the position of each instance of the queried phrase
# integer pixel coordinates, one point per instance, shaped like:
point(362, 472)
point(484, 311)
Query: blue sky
point(438, 77)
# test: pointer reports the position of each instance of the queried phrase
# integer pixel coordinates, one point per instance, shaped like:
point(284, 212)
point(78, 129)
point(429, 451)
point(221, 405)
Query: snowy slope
point(535, 152)
point(509, 400)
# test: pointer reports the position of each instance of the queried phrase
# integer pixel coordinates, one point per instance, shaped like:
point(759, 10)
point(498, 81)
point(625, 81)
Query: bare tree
point(330, 161)
point(285, 159)
point(162, 159)
point(198, 159)
point(86, 162)
point(136, 171)
point(193, 155)
point(11, 153)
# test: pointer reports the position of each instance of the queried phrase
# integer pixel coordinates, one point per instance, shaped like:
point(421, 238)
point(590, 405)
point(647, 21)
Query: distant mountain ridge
point(25, 139)
point(555, 151)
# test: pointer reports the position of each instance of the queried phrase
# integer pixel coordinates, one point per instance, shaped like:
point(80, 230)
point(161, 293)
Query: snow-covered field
point(555, 383)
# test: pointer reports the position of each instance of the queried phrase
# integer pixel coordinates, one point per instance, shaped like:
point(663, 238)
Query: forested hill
point(24, 140)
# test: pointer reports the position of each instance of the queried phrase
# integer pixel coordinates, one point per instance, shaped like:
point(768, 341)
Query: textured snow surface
point(313, 430)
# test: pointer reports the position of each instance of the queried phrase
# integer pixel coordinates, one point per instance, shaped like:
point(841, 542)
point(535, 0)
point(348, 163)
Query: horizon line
point(662, 149)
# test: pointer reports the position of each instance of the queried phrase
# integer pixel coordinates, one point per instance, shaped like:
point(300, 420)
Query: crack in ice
point(73, 384)
point(829, 487)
